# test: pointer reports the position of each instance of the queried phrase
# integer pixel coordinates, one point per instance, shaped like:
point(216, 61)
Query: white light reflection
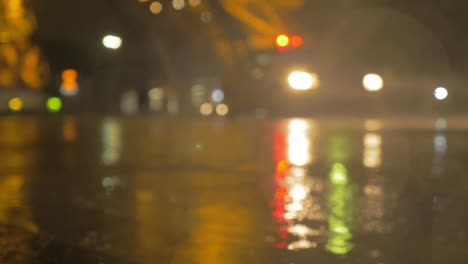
point(373, 205)
point(440, 150)
point(297, 197)
point(372, 150)
point(111, 142)
point(440, 143)
point(298, 192)
point(441, 124)
point(299, 143)
point(302, 244)
point(303, 231)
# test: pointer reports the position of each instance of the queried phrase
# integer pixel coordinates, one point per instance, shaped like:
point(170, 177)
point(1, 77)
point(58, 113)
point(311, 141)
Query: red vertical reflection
point(281, 192)
point(279, 146)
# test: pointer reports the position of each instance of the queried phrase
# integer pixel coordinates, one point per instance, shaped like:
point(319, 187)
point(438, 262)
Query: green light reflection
point(340, 216)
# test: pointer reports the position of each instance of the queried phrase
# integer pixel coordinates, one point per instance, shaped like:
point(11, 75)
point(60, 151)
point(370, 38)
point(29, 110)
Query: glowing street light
point(441, 93)
point(300, 80)
point(112, 42)
point(373, 82)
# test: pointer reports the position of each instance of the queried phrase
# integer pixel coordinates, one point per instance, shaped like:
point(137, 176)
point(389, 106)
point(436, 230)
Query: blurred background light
point(222, 109)
point(206, 17)
point(129, 103)
point(156, 7)
point(178, 4)
point(441, 93)
point(373, 82)
point(15, 104)
point(156, 93)
point(206, 109)
point(69, 86)
point(217, 96)
point(194, 2)
point(296, 41)
point(112, 42)
point(282, 41)
point(156, 99)
point(54, 104)
point(300, 80)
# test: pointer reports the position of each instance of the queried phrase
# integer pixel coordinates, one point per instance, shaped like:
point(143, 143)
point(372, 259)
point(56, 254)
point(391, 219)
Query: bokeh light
point(156, 99)
point(441, 93)
point(282, 41)
point(206, 109)
point(15, 104)
point(194, 2)
point(178, 4)
point(300, 80)
point(217, 96)
point(156, 93)
point(54, 104)
point(69, 86)
point(373, 82)
point(296, 41)
point(112, 42)
point(222, 110)
point(156, 7)
point(206, 17)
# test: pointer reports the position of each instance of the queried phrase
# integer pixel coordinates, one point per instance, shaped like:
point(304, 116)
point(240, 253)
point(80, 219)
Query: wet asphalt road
point(147, 190)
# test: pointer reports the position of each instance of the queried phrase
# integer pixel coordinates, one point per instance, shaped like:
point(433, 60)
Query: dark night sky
point(379, 31)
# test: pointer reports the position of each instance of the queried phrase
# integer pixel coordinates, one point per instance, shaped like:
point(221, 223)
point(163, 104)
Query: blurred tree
point(21, 63)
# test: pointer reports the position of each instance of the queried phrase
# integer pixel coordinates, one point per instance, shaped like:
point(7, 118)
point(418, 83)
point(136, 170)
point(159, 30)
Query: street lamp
point(301, 80)
point(373, 82)
point(112, 42)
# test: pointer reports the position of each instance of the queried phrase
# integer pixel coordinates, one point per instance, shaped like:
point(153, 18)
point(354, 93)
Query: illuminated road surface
point(144, 190)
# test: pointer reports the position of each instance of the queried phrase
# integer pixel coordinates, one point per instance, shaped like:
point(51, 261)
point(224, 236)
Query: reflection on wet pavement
point(112, 190)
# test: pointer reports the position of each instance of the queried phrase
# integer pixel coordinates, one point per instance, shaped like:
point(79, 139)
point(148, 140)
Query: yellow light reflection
point(373, 125)
point(12, 204)
point(372, 150)
point(69, 129)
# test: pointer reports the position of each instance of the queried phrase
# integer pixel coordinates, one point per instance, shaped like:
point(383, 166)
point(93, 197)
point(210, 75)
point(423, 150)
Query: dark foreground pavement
point(146, 190)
